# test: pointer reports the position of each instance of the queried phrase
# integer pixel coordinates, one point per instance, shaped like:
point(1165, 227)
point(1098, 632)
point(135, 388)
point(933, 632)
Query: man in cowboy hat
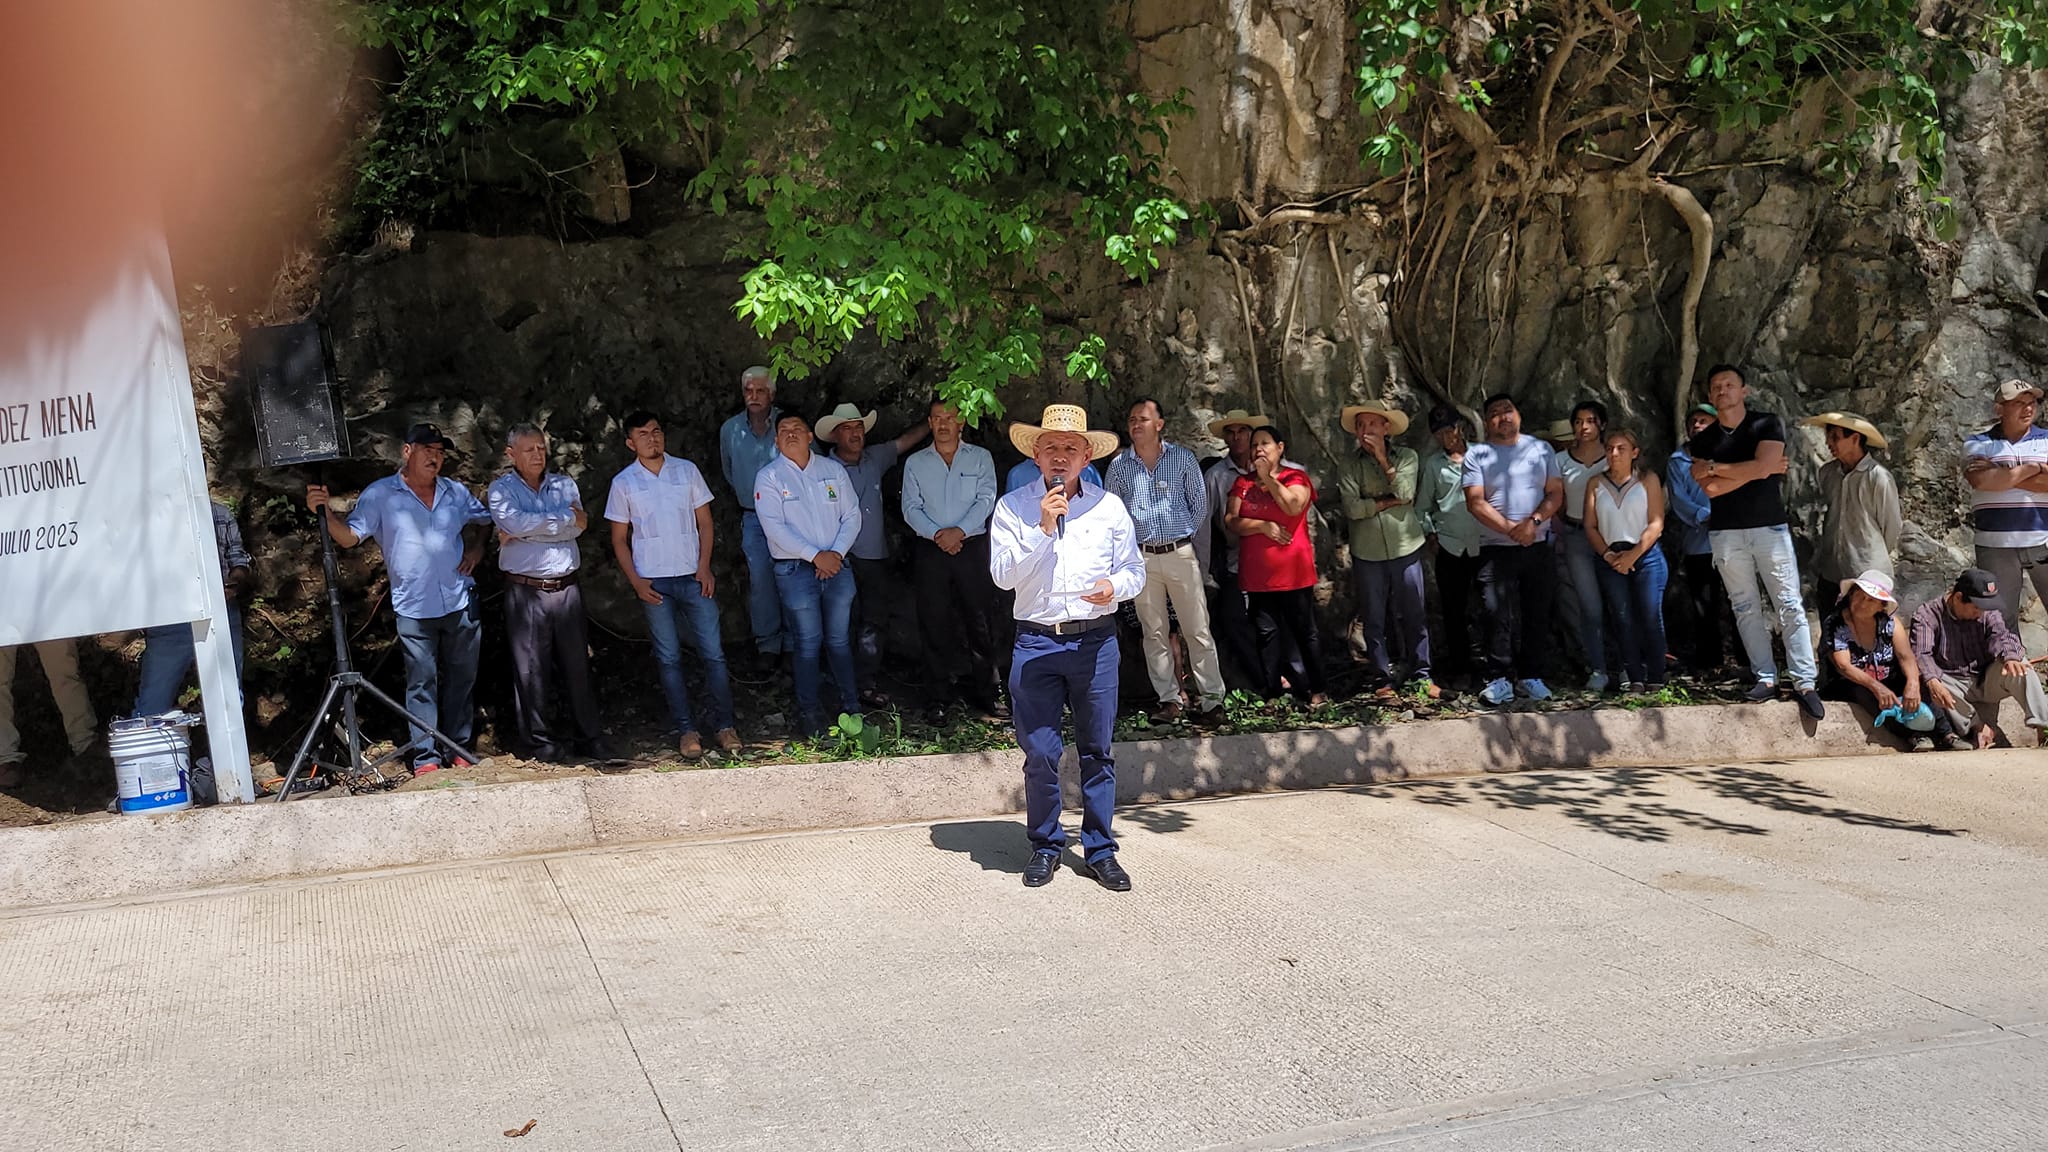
point(847, 431)
point(1377, 486)
point(949, 490)
point(2006, 467)
point(1070, 552)
point(430, 529)
point(1861, 533)
point(1161, 487)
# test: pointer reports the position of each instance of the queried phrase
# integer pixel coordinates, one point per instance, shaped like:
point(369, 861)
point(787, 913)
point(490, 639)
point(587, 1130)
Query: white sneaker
point(1498, 692)
point(1533, 689)
point(1597, 682)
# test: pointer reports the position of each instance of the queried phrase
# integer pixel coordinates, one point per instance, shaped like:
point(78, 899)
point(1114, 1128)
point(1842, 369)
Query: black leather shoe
point(1038, 873)
point(1109, 874)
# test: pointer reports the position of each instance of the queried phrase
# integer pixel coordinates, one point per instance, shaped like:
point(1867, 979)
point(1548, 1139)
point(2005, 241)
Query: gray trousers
point(1991, 687)
point(2011, 566)
point(549, 638)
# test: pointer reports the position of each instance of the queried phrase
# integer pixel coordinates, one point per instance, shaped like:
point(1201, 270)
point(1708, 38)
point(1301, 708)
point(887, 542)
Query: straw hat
point(1349, 417)
point(844, 414)
point(1062, 418)
point(1872, 438)
point(1559, 432)
point(1236, 416)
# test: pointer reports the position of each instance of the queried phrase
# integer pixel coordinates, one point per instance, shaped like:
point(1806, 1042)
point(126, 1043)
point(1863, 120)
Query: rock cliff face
point(1834, 297)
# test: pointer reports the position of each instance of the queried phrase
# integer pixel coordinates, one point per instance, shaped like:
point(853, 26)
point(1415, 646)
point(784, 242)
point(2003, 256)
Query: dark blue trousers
point(1049, 674)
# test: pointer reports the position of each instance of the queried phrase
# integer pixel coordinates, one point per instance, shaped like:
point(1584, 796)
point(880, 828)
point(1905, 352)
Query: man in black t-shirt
point(1739, 461)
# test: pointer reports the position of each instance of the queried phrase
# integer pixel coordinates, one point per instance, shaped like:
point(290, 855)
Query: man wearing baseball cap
point(1970, 659)
point(430, 530)
point(2006, 467)
point(1688, 512)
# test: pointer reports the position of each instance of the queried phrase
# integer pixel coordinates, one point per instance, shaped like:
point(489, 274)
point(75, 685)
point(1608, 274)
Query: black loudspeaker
point(291, 385)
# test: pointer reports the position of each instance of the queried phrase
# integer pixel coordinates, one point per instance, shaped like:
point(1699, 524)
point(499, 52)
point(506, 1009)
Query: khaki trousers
point(1993, 686)
point(1176, 576)
point(60, 664)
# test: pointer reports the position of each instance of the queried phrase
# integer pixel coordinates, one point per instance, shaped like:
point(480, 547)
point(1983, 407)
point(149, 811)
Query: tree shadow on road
point(1631, 803)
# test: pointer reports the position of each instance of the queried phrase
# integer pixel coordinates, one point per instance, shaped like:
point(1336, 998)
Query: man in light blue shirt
point(949, 490)
point(1162, 488)
point(810, 516)
point(746, 444)
point(539, 515)
point(427, 527)
point(1689, 511)
point(1513, 488)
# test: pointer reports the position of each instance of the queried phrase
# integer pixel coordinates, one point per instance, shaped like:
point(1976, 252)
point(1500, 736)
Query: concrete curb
point(131, 856)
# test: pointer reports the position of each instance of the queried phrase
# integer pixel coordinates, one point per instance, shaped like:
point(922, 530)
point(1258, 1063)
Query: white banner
point(100, 476)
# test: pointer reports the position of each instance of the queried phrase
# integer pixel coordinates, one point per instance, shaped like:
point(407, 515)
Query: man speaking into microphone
point(1070, 554)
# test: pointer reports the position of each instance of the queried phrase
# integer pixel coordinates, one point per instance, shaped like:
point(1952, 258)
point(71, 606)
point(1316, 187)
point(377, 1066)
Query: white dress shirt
point(937, 496)
point(541, 523)
point(808, 510)
point(1048, 573)
point(662, 508)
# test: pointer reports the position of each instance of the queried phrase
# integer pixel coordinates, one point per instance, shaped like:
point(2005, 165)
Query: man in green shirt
point(1377, 484)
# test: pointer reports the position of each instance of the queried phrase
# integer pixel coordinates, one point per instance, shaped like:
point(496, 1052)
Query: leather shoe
point(1109, 874)
point(1038, 873)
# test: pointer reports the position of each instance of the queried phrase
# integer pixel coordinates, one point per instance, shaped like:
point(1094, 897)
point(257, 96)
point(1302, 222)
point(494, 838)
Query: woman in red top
point(1277, 562)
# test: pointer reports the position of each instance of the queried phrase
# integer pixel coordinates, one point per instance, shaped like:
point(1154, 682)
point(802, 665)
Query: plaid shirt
point(1167, 503)
point(1960, 649)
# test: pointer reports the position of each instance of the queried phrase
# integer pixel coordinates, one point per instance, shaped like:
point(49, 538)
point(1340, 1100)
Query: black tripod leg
point(435, 733)
point(306, 744)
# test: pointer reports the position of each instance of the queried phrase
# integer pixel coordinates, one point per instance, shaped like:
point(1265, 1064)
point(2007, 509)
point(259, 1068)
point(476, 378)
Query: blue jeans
point(1582, 568)
point(167, 658)
point(1745, 556)
point(1636, 603)
point(764, 603)
point(440, 675)
point(820, 616)
point(682, 595)
point(1049, 674)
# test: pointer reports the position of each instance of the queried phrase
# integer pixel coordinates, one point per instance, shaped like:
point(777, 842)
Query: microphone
point(1059, 525)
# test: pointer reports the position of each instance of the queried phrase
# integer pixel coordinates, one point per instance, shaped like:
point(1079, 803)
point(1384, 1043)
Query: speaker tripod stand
point(344, 686)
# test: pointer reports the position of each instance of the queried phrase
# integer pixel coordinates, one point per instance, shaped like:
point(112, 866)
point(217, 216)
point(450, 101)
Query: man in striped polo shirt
point(2006, 466)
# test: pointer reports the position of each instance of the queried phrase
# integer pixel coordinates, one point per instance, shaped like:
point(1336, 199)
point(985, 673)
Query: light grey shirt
point(542, 524)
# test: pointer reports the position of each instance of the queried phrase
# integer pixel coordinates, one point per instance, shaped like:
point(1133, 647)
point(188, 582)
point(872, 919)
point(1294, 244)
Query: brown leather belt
point(554, 585)
point(1165, 547)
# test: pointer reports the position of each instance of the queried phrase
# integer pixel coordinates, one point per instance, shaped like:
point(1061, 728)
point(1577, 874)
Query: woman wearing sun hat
point(1861, 532)
point(1870, 649)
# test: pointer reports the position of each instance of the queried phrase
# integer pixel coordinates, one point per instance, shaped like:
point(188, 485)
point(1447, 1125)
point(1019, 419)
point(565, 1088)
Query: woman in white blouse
point(1624, 516)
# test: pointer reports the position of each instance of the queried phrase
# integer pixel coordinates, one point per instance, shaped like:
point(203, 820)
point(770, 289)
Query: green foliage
point(945, 170)
point(1728, 64)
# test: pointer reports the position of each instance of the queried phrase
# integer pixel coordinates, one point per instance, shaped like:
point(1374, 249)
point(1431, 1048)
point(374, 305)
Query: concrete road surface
point(1847, 954)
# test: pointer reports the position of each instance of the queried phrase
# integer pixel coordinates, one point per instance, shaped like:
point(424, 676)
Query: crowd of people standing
point(1462, 557)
